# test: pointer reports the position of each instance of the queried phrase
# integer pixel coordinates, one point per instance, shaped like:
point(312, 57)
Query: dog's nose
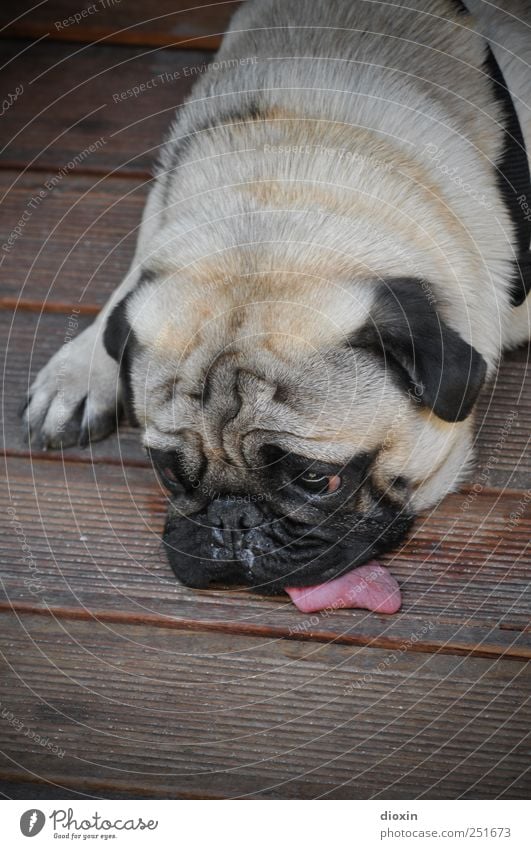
point(233, 513)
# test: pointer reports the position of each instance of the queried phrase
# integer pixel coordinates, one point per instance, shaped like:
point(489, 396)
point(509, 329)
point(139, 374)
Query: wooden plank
point(30, 339)
point(75, 112)
point(12, 787)
point(177, 23)
point(91, 537)
point(75, 247)
point(212, 716)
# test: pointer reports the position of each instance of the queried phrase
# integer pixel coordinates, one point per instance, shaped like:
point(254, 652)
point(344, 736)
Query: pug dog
point(332, 258)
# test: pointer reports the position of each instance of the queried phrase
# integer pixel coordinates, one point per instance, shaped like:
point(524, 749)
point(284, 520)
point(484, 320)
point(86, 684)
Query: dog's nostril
point(245, 522)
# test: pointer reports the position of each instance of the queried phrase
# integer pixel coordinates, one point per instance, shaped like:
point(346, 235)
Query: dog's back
point(314, 106)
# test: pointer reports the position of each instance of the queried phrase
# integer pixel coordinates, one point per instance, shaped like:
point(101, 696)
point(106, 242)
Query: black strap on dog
point(514, 180)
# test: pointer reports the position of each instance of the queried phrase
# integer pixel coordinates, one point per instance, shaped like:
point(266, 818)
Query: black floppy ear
point(120, 343)
point(444, 371)
point(117, 333)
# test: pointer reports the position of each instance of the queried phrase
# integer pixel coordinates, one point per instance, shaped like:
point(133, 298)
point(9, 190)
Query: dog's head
point(296, 436)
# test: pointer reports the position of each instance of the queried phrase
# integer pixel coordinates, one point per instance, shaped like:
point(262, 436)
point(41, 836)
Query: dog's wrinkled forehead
point(174, 312)
point(232, 364)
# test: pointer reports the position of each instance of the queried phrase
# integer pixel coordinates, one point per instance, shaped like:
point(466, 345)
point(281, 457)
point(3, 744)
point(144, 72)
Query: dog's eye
point(319, 484)
point(168, 474)
point(166, 466)
point(169, 478)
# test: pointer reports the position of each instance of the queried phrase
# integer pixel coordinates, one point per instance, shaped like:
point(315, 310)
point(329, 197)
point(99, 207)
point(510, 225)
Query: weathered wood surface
point(94, 535)
point(174, 23)
point(78, 105)
point(218, 693)
point(216, 715)
point(75, 246)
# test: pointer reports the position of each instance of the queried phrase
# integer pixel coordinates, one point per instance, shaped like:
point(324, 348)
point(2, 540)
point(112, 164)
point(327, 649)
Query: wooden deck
point(117, 681)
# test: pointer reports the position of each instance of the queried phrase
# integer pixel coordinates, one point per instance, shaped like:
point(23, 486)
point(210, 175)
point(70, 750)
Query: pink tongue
point(371, 587)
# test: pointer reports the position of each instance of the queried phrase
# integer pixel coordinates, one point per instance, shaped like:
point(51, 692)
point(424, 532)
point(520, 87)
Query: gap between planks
point(490, 651)
point(110, 787)
point(99, 35)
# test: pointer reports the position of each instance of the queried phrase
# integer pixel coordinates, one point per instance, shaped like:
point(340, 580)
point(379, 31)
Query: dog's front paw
point(75, 397)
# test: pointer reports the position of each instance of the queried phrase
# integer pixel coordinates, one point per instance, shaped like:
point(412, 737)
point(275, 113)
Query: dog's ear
point(119, 341)
point(117, 333)
point(444, 372)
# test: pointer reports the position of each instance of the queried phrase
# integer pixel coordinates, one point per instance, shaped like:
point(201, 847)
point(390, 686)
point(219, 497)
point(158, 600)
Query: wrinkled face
point(295, 438)
point(294, 522)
